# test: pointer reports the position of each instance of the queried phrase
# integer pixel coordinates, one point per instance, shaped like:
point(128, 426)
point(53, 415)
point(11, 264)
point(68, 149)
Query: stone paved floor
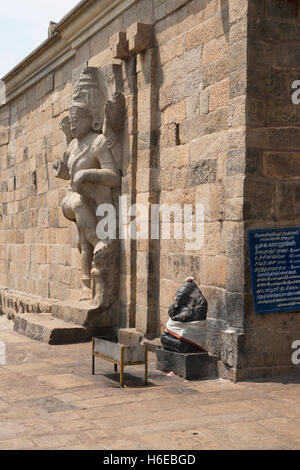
point(49, 400)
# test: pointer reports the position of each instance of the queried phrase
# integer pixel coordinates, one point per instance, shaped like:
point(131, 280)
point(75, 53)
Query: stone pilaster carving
point(91, 164)
point(119, 46)
point(140, 37)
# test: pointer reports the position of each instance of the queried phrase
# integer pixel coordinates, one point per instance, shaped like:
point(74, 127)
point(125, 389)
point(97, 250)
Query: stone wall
point(202, 95)
point(272, 165)
point(38, 248)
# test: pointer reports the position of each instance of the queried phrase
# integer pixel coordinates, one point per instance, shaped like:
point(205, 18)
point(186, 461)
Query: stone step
point(83, 313)
point(44, 327)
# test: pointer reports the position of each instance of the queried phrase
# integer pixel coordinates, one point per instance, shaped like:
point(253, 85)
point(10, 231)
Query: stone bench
point(120, 355)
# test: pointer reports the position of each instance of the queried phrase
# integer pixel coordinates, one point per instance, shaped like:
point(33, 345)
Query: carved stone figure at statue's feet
point(86, 292)
point(103, 272)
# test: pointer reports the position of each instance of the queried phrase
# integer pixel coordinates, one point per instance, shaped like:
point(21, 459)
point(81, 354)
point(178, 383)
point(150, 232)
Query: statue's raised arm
point(61, 166)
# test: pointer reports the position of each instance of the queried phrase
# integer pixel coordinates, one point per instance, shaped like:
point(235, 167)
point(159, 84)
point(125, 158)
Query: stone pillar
point(128, 246)
point(233, 329)
point(147, 293)
point(139, 271)
point(140, 44)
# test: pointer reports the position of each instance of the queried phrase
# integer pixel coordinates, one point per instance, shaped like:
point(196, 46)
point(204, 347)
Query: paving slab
point(50, 400)
point(64, 381)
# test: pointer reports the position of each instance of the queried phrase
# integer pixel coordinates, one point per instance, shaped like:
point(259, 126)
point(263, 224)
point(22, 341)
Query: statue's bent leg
point(105, 252)
point(77, 210)
point(85, 218)
point(66, 206)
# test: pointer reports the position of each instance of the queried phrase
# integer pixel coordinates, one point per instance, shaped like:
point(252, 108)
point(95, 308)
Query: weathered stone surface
point(288, 199)
point(169, 136)
point(174, 48)
point(152, 344)
point(15, 302)
point(201, 34)
point(189, 366)
point(219, 95)
point(286, 9)
point(214, 50)
point(202, 172)
point(4, 137)
point(281, 164)
point(231, 347)
point(119, 46)
point(215, 72)
point(129, 336)
point(214, 332)
point(83, 313)
point(140, 37)
point(44, 327)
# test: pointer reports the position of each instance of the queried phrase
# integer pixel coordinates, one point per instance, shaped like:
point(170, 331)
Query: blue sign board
point(275, 269)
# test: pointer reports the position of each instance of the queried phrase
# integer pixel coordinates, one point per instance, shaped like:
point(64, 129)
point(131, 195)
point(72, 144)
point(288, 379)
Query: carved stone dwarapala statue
point(186, 329)
point(89, 164)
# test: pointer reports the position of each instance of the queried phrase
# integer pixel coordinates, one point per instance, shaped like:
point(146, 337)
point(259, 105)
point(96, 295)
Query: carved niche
point(91, 164)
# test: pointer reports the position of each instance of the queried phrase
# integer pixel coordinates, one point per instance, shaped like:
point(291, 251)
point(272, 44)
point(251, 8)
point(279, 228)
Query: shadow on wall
point(225, 18)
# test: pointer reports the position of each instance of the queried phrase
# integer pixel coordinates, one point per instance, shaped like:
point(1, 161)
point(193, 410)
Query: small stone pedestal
point(189, 366)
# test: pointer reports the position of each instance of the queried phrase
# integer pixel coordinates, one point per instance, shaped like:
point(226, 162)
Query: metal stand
point(120, 363)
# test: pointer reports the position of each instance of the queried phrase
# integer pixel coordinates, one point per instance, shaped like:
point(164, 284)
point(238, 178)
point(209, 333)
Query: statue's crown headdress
point(86, 95)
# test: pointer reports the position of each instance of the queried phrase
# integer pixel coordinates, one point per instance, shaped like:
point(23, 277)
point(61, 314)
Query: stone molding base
point(252, 373)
